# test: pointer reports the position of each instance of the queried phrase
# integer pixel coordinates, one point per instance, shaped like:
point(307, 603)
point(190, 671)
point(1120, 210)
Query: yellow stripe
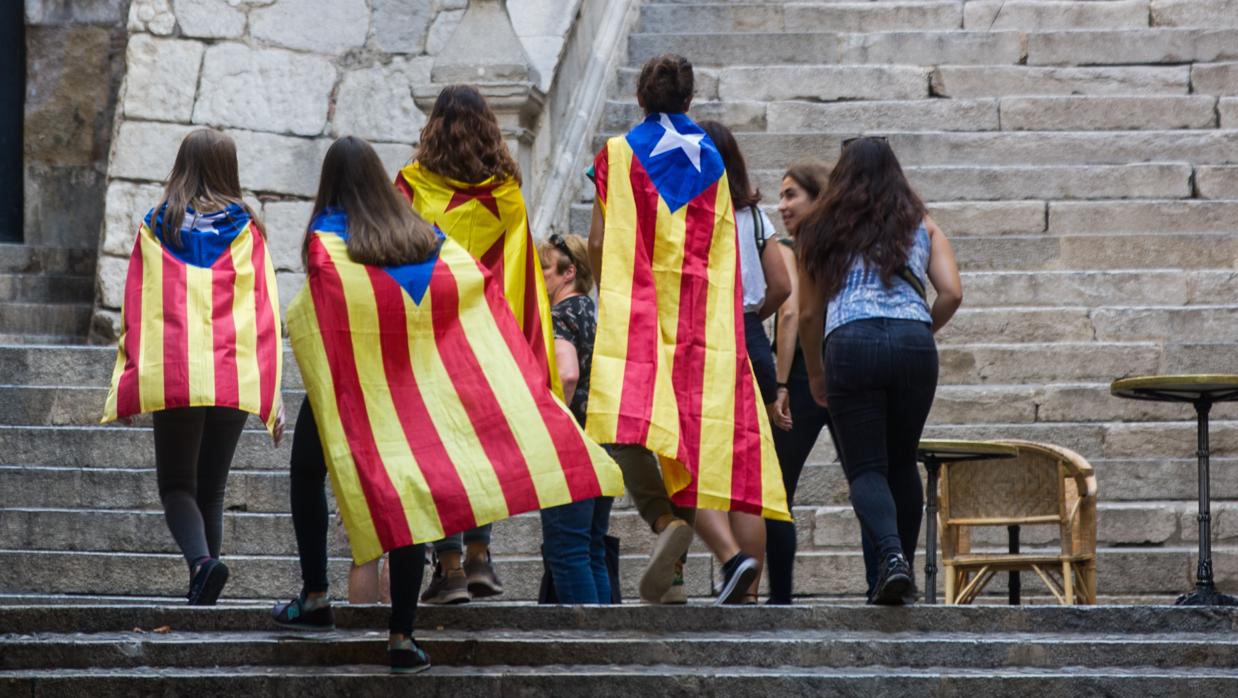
point(516, 403)
point(668, 254)
point(312, 357)
point(201, 332)
point(393, 449)
point(277, 402)
point(150, 372)
point(245, 320)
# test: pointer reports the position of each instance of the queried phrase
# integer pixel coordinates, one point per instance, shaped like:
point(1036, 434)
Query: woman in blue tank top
point(867, 253)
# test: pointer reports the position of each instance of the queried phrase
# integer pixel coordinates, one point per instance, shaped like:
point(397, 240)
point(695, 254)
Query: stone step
point(1135, 46)
point(46, 288)
point(31, 259)
point(57, 319)
point(1124, 570)
point(1101, 251)
point(1075, 325)
point(1038, 15)
point(841, 17)
point(968, 81)
point(1093, 289)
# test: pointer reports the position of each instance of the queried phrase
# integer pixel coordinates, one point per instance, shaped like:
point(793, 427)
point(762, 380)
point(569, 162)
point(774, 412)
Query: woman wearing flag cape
point(199, 345)
point(464, 181)
point(424, 402)
point(671, 376)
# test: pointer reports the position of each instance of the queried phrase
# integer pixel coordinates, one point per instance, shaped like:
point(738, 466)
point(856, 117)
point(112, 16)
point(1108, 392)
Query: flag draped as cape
point(489, 220)
point(670, 366)
point(200, 322)
point(432, 409)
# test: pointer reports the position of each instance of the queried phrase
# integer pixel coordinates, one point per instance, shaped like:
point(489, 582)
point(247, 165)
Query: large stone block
point(935, 48)
point(1037, 15)
point(290, 284)
point(264, 90)
point(1077, 288)
point(377, 104)
point(1142, 181)
point(1217, 182)
point(737, 115)
point(401, 26)
point(990, 217)
point(1007, 253)
point(145, 150)
point(285, 228)
point(1205, 14)
point(300, 24)
point(1132, 47)
point(1217, 287)
point(154, 16)
point(440, 32)
point(823, 83)
point(865, 17)
point(1107, 113)
point(110, 277)
point(279, 164)
point(162, 78)
point(60, 12)
point(1228, 109)
point(126, 205)
point(1000, 357)
point(209, 19)
point(1215, 78)
point(1077, 217)
point(945, 115)
point(1153, 251)
point(1002, 81)
point(717, 18)
point(1200, 324)
point(1143, 440)
point(1007, 325)
point(956, 404)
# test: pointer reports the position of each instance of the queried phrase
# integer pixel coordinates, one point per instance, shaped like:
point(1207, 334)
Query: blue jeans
point(881, 376)
point(572, 535)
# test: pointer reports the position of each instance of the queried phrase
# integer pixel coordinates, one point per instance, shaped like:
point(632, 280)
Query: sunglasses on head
point(879, 139)
point(561, 245)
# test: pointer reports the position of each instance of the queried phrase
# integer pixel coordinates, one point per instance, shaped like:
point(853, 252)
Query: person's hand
point(277, 434)
point(780, 410)
point(816, 384)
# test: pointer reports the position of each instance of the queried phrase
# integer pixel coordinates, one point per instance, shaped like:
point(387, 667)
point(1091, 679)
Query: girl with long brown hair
point(867, 253)
point(200, 345)
point(465, 181)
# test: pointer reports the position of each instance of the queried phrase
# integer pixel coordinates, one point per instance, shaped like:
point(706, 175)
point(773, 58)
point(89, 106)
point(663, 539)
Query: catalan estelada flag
point(489, 220)
point(670, 367)
point(200, 322)
point(432, 409)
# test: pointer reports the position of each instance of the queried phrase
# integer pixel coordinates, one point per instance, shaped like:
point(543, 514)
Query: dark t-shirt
point(575, 320)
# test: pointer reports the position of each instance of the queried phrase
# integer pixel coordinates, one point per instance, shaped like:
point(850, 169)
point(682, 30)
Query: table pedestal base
point(1206, 595)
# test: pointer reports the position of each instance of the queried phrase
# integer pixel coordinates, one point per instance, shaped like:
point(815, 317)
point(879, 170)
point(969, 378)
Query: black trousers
point(882, 376)
point(193, 454)
point(308, 476)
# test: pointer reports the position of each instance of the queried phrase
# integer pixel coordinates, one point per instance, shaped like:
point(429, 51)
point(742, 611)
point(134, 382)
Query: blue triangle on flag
point(413, 278)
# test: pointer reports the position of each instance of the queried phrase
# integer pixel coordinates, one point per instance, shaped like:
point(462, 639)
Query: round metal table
point(934, 452)
point(1202, 391)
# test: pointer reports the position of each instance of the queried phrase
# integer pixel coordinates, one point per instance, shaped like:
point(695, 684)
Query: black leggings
point(794, 447)
point(308, 477)
point(193, 453)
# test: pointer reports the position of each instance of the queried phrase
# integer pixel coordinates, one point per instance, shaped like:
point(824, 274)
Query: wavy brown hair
point(813, 177)
point(462, 139)
point(869, 211)
point(382, 229)
point(742, 193)
point(205, 177)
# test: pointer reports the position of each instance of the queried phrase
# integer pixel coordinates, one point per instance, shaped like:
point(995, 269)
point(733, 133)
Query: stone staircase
point(46, 294)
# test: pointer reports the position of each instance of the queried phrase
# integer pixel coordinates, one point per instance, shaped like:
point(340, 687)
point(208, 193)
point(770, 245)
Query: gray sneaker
point(449, 588)
point(482, 580)
point(668, 550)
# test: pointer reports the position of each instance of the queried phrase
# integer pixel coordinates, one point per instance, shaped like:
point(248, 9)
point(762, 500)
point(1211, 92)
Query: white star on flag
point(690, 144)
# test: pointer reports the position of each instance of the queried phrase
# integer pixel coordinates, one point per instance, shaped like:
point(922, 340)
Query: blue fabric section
point(204, 236)
point(413, 278)
point(864, 296)
point(672, 172)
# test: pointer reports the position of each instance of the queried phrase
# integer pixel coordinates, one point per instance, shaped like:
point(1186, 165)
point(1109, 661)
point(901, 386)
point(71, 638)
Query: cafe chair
point(1043, 485)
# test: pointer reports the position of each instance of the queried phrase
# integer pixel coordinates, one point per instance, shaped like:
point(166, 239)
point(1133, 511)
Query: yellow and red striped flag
point(432, 409)
point(200, 322)
point(670, 366)
point(489, 220)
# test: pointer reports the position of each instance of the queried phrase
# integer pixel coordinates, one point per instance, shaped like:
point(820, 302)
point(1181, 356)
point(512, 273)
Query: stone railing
point(266, 73)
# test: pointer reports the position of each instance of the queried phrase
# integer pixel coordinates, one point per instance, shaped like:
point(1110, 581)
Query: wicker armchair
point(1044, 485)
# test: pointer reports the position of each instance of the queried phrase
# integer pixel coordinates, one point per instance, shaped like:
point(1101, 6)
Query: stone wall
point(75, 62)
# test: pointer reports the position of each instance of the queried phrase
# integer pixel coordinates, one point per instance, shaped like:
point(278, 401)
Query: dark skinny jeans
point(308, 477)
point(881, 378)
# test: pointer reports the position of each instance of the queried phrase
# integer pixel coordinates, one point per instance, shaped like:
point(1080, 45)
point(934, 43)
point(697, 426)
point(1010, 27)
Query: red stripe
point(128, 393)
point(601, 172)
point(402, 185)
point(688, 376)
point(644, 334)
point(476, 394)
point(532, 312)
point(269, 344)
point(451, 499)
point(223, 292)
point(175, 333)
point(746, 465)
point(331, 306)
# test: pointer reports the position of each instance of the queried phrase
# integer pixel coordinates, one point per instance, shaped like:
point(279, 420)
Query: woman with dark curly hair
point(867, 252)
point(464, 181)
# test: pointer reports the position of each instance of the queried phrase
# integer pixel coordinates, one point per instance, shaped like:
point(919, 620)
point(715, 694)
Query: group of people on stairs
point(457, 374)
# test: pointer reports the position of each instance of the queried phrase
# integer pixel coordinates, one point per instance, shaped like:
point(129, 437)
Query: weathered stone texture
point(162, 78)
point(1132, 47)
point(990, 218)
point(1053, 182)
point(1217, 182)
point(1038, 15)
point(1107, 113)
point(332, 27)
point(279, 164)
point(1000, 81)
point(154, 16)
point(823, 83)
point(1077, 217)
point(871, 17)
point(1215, 78)
point(401, 26)
point(946, 115)
point(286, 222)
point(1228, 109)
point(127, 203)
point(145, 150)
point(377, 104)
point(209, 19)
point(63, 12)
point(264, 90)
point(1206, 14)
point(440, 32)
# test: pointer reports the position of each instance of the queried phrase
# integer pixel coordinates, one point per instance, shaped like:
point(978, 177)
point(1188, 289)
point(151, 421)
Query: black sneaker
point(407, 657)
point(294, 615)
point(207, 584)
point(893, 581)
point(738, 573)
